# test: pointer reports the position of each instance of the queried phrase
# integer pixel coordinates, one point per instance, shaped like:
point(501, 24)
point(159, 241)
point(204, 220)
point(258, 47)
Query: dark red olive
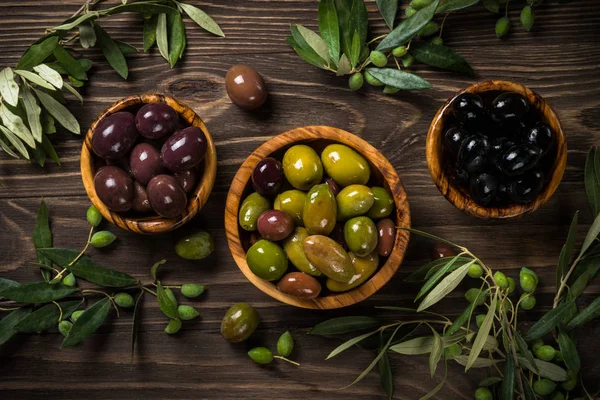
point(386, 237)
point(541, 136)
point(140, 199)
point(275, 225)
point(483, 188)
point(454, 137)
point(442, 250)
point(114, 188)
point(187, 179)
point(518, 159)
point(184, 149)
point(156, 120)
point(473, 152)
point(115, 135)
point(166, 197)
point(509, 106)
point(468, 109)
point(526, 188)
point(145, 163)
point(338, 235)
point(267, 177)
point(245, 87)
point(333, 186)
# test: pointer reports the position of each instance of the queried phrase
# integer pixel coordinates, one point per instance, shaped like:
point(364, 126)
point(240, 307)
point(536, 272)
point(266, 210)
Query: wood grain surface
point(559, 60)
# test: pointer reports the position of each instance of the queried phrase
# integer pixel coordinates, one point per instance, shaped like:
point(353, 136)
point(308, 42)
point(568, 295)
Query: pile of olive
point(319, 214)
point(500, 148)
point(157, 172)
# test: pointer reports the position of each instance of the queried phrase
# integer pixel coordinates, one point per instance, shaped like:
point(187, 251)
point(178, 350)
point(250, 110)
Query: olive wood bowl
point(153, 223)
point(457, 195)
point(382, 173)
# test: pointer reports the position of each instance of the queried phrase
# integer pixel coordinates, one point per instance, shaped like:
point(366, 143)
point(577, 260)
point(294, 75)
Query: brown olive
point(184, 149)
point(275, 225)
point(166, 197)
point(442, 250)
point(386, 237)
point(300, 285)
point(114, 135)
point(245, 87)
point(156, 120)
point(140, 199)
point(145, 163)
point(187, 179)
point(114, 188)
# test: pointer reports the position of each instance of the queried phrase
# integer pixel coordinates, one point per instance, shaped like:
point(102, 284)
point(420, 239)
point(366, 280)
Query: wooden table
point(559, 59)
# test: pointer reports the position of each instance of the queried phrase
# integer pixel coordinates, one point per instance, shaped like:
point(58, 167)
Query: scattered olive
point(173, 326)
point(544, 387)
point(399, 51)
point(483, 393)
point(93, 216)
point(195, 246)
point(546, 353)
point(501, 280)
point(64, 327)
point(378, 58)
point(285, 344)
point(512, 285)
point(102, 239)
point(114, 188)
point(430, 29)
point(124, 300)
point(528, 280)
point(371, 80)
point(167, 198)
point(76, 314)
point(245, 87)
point(408, 60)
point(69, 280)
point(356, 81)
point(186, 312)
point(156, 120)
point(300, 285)
point(239, 322)
point(114, 136)
point(192, 290)
point(475, 271)
point(528, 301)
point(261, 355)
point(442, 250)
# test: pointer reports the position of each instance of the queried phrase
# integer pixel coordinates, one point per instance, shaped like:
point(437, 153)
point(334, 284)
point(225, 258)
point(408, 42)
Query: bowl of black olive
point(148, 163)
point(496, 150)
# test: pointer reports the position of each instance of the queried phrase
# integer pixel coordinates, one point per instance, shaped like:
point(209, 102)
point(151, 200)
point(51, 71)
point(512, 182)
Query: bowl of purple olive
point(496, 150)
point(148, 163)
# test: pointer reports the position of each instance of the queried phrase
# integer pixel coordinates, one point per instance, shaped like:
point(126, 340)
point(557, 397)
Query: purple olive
point(140, 199)
point(275, 225)
point(187, 179)
point(185, 149)
point(145, 163)
point(115, 135)
point(114, 188)
point(166, 196)
point(267, 177)
point(156, 120)
point(334, 187)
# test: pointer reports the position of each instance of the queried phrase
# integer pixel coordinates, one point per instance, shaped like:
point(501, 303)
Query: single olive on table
point(245, 87)
point(332, 227)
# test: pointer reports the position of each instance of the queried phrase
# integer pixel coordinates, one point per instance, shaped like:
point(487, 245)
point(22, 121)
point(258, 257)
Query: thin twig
point(285, 359)
point(60, 310)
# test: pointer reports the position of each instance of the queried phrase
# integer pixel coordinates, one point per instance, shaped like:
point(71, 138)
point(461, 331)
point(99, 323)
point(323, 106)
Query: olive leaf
point(58, 111)
point(586, 270)
point(47, 317)
point(388, 10)
point(483, 333)
point(4, 144)
point(48, 126)
point(167, 306)
point(408, 28)
point(154, 268)
point(569, 352)
point(477, 363)
point(567, 251)
point(330, 31)
point(135, 322)
point(49, 75)
point(432, 267)
point(37, 154)
point(341, 325)
point(529, 392)
point(8, 323)
point(358, 22)
point(37, 53)
point(385, 373)
point(508, 384)
point(440, 56)
point(447, 285)
point(462, 319)
point(524, 349)
point(87, 35)
point(454, 5)
point(9, 90)
point(202, 19)
point(67, 26)
point(42, 237)
point(15, 125)
point(143, 7)
point(399, 79)
point(37, 292)
point(49, 150)
point(591, 236)
point(349, 343)
point(111, 52)
point(73, 91)
point(162, 36)
point(344, 66)
point(33, 113)
point(87, 269)
point(424, 344)
point(69, 63)
point(546, 370)
point(34, 78)
point(15, 141)
point(586, 315)
point(548, 321)
point(355, 49)
point(592, 180)
point(430, 236)
point(435, 278)
point(150, 32)
point(492, 5)
point(87, 323)
point(437, 349)
point(309, 39)
point(177, 42)
point(489, 381)
point(7, 283)
point(307, 55)
point(437, 388)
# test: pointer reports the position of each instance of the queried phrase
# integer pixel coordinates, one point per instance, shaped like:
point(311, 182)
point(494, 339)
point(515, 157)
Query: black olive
point(518, 159)
point(468, 109)
point(473, 152)
point(461, 174)
point(483, 188)
point(498, 147)
point(541, 136)
point(526, 187)
point(454, 137)
point(509, 106)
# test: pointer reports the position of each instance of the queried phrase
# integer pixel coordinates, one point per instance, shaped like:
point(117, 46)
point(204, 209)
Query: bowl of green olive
point(314, 218)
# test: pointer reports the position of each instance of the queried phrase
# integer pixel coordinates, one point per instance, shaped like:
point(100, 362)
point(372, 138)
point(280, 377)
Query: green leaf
point(527, 17)
point(111, 52)
point(585, 271)
point(37, 292)
point(569, 352)
point(78, 21)
point(150, 32)
point(483, 333)
point(349, 343)
point(548, 321)
point(176, 37)
point(344, 66)
point(15, 124)
point(447, 285)
point(87, 323)
point(358, 22)
point(4, 144)
point(524, 349)
point(87, 269)
point(162, 36)
point(154, 268)
point(307, 55)
point(15, 141)
point(477, 363)
point(59, 112)
point(47, 123)
point(135, 322)
point(462, 319)
point(34, 78)
point(454, 5)
point(313, 41)
point(69, 63)
point(492, 6)
point(591, 236)
point(9, 90)
point(330, 29)
point(386, 376)
point(142, 7)
point(87, 35)
point(388, 10)
point(73, 91)
point(37, 53)
point(546, 369)
point(126, 48)
point(8, 323)
point(408, 28)
point(399, 79)
point(437, 388)
point(42, 237)
point(46, 317)
point(508, 384)
point(435, 278)
point(202, 19)
point(49, 75)
point(33, 113)
point(437, 349)
point(166, 304)
point(37, 154)
point(431, 267)
point(586, 315)
point(7, 283)
point(440, 56)
point(567, 251)
point(85, 63)
point(430, 236)
point(355, 49)
point(341, 325)
point(490, 381)
point(424, 344)
point(529, 393)
point(592, 180)
point(49, 150)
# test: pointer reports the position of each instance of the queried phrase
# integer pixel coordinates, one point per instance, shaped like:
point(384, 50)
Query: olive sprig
point(523, 364)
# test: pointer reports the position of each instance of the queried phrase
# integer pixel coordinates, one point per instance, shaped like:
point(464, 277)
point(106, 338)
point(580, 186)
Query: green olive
point(251, 208)
point(546, 353)
point(294, 249)
point(292, 203)
point(356, 81)
point(329, 257)
point(239, 322)
point(64, 327)
point(76, 314)
point(512, 285)
point(475, 271)
point(371, 80)
point(537, 344)
point(124, 300)
point(261, 355)
point(302, 167)
point(557, 396)
point(383, 204)
point(475, 295)
point(267, 260)
point(365, 267)
point(285, 344)
point(69, 280)
point(192, 290)
point(360, 234)
point(354, 200)
point(479, 318)
point(430, 29)
point(195, 246)
point(502, 26)
point(501, 280)
point(320, 210)
point(544, 387)
point(571, 381)
point(528, 280)
point(186, 312)
point(102, 239)
point(483, 394)
point(378, 58)
point(93, 216)
point(452, 351)
point(399, 51)
point(345, 166)
point(419, 4)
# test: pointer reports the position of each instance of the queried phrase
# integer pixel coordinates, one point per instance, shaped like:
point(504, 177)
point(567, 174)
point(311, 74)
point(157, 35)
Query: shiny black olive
point(483, 188)
point(541, 136)
point(115, 135)
point(468, 109)
point(454, 137)
point(498, 147)
point(526, 187)
point(461, 174)
point(473, 153)
point(509, 106)
point(518, 159)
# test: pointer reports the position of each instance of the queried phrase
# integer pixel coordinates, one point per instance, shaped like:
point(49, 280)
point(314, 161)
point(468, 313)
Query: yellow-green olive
point(320, 210)
point(354, 200)
point(267, 260)
point(365, 267)
point(329, 257)
point(239, 322)
point(292, 203)
point(294, 249)
point(302, 167)
point(383, 204)
point(361, 235)
point(250, 210)
point(345, 165)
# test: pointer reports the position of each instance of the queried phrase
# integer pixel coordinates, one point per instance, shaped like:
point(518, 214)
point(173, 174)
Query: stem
point(442, 25)
point(105, 294)
point(563, 282)
point(9, 308)
point(514, 354)
point(84, 249)
point(149, 291)
point(60, 315)
point(376, 39)
point(285, 359)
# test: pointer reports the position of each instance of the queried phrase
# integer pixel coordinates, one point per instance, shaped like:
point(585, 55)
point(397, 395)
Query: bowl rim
point(454, 195)
point(155, 223)
point(303, 135)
